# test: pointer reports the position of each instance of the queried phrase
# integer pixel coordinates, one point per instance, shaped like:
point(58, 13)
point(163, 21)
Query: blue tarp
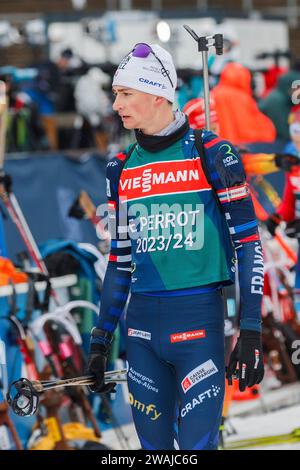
point(46, 187)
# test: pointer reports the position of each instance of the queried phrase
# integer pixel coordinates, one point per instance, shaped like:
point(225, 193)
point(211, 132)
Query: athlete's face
point(136, 109)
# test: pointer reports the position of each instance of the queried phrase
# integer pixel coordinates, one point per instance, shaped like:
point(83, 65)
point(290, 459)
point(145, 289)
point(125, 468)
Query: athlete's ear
point(158, 100)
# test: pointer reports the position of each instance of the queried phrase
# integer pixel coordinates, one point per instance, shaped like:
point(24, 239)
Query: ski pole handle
point(110, 376)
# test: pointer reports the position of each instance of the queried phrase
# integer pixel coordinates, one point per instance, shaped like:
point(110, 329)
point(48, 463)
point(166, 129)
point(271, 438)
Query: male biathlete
point(181, 223)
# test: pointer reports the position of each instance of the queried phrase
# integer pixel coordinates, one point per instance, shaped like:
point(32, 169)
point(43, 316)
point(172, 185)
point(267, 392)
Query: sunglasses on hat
point(142, 50)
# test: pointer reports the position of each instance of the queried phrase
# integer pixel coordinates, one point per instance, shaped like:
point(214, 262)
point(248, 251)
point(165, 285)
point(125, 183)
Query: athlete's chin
point(129, 122)
point(129, 125)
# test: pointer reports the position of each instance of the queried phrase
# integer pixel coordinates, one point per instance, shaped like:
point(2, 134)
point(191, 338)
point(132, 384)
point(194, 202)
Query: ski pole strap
point(201, 152)
point(101, 336)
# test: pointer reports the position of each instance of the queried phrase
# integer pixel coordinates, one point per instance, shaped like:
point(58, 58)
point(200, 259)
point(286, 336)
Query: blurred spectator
point(277, 105)
point(195, 111)
point(69, 67)
point(271, 77)
point(42, 92)
point(240, 119)
point(93, 107)
point(293, 147)
point(24, 130)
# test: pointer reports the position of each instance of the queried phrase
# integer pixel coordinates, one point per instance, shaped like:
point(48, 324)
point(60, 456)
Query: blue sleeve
point(118, 274)
point(229, 181)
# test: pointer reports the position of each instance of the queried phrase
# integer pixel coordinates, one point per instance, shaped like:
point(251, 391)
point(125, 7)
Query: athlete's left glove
point(248, 356)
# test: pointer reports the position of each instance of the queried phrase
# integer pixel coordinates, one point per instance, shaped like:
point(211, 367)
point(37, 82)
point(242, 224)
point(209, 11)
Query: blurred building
point(20, 11)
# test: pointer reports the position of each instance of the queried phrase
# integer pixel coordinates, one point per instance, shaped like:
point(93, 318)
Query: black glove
point(286, 161)
point(272, 222)
point(97, 360)
point(293, 229)
point(248, 354)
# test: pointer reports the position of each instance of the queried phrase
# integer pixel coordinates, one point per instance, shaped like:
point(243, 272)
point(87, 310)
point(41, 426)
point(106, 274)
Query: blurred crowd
point(67, 104)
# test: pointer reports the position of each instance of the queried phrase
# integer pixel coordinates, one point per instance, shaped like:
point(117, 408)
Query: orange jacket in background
point(240, 119)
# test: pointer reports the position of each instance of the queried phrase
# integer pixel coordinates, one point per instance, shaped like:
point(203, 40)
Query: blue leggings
point(176, 377)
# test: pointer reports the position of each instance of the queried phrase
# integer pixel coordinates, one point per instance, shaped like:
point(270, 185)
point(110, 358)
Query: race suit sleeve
point(286, 209)
point(118, 274)
point(229, 181)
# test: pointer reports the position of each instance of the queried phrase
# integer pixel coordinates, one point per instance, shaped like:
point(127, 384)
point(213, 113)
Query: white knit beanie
point(146, 73)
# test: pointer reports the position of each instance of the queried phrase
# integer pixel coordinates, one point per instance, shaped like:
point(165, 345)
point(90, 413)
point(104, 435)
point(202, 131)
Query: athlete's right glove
point(272, 222)
point(97, 360)
point(248, 356)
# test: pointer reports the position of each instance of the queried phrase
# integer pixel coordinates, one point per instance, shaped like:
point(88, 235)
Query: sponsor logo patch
point(150, 82)
point(187, 336)
point(149, 410)
point(142, 380)
point(158, 178)
point(256, 358)
point(139, 334)
point(212, 392)
point(198, 374)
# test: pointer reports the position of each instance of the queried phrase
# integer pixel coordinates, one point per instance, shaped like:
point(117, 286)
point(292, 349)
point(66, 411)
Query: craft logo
point(187, 336)
point(112, 163)
point(151, 83)
point(208, 394)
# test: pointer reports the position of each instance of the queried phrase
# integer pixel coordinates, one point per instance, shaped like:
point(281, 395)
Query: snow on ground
point(276, 412)
point(271, 423)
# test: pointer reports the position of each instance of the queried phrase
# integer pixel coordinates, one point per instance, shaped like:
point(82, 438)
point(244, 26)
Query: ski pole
point(28, 235)
point(3, 121)
point(204, 43)
point(23, 394)
point(15, 212)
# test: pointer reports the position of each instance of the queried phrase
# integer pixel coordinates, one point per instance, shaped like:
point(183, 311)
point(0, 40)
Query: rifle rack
point(56, 283)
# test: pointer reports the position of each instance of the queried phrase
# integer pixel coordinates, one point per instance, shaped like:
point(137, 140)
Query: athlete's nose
point(117, 104)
